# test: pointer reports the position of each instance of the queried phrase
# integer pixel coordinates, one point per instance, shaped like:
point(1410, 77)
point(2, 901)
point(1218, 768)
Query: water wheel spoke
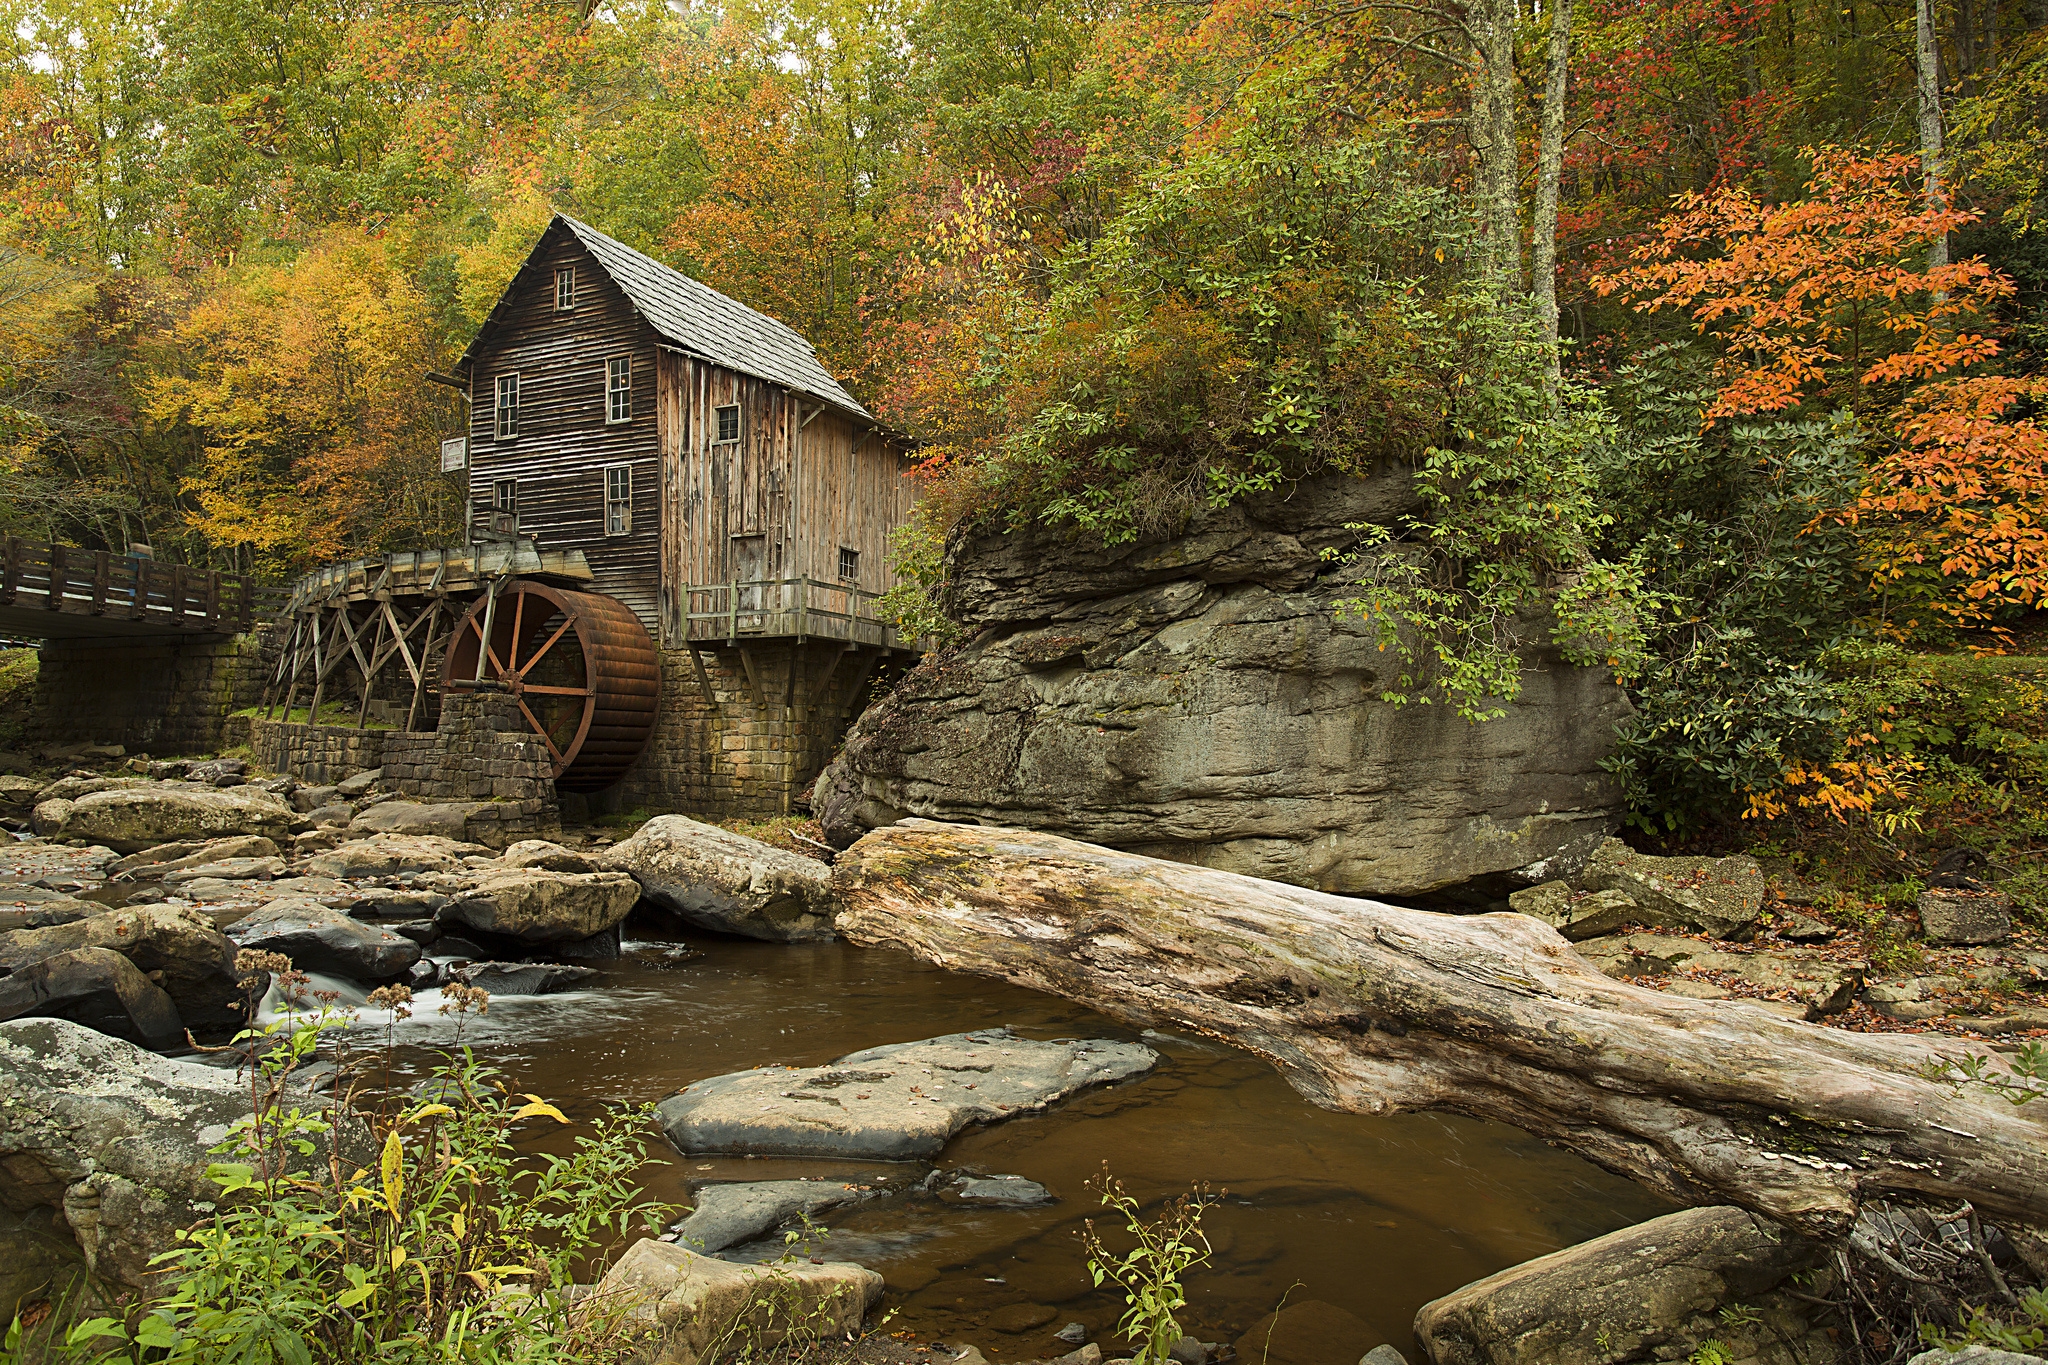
point(555, 691)
point(489, 653)
point(568, 620)
point(518, 616)
point(542, 731)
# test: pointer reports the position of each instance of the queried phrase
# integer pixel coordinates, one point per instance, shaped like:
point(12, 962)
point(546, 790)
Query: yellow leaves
point(538, 1108)
point(428, 1112)
point(397, 1257)
point(391, 1165)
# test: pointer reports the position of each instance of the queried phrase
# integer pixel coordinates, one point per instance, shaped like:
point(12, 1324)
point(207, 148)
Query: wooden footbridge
point(60, 592)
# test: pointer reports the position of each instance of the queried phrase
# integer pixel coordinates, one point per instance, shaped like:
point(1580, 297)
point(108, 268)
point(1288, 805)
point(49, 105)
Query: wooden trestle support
point(327, 636)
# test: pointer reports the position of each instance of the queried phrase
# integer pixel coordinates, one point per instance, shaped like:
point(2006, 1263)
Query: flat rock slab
point(1722, 896)
point(390, 855)
point(893, 1103)
point(522, 978)
point(727, 1215)
point(445, 819)
point(1818, 984)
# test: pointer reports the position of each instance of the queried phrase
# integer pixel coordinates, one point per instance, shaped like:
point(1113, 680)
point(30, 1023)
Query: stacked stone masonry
point(482, 752)
point(164, 697)
point(753, 754)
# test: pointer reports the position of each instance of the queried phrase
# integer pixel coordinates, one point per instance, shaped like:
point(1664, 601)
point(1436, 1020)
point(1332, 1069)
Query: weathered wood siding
point(851, 492)
point(564, 442)
point(777, 503)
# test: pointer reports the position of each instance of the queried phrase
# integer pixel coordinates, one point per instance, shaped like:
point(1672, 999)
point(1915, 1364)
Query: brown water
point(1376, 1215)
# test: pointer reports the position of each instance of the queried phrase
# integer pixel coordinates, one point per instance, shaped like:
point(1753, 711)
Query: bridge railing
point(75, 582)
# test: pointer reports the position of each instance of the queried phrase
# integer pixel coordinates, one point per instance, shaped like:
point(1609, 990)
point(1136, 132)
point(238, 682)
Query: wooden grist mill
point(381, 642)
point(580, 665)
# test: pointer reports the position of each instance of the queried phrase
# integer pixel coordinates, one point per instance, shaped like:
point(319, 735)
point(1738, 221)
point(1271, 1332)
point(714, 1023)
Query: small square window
point(505, 495)
point(508, 406)
point(618, 499)
point(618, 389)
point(565, 289)
point(728, 423)
point(849, 564)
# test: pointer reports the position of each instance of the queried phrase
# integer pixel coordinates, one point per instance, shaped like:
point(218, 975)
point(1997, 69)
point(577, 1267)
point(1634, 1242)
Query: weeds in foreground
point(1150, 1273)
point(413, 1235)
point(2027, 1083)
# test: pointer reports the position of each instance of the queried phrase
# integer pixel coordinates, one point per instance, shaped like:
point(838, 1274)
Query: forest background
point(1713, 330)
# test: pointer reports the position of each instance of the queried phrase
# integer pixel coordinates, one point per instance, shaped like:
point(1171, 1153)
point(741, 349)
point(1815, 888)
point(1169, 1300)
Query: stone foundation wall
point(163, 697)
point(483, 752)
point(753, 754)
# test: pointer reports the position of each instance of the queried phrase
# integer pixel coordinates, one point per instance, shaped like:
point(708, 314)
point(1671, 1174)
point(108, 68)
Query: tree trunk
point(1369, 1008)
point(1496, 176)
point(1549, 167)
point(1928, 82)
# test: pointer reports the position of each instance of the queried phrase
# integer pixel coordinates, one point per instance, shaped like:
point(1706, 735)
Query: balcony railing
point(800, 608)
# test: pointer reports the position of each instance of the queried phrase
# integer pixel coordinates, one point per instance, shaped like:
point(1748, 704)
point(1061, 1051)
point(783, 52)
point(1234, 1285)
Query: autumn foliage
point(1829, 300)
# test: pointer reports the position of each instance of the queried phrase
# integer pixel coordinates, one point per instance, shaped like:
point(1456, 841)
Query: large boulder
point(318, 938)
point(714, 879)
point(105, 1145)
point(680, 1303)
point(535, 906)
point(130, 819)
point(175, 946)
point(1649, 1292)
point(1200, 694)
point(98, 988)
point(892, 1103)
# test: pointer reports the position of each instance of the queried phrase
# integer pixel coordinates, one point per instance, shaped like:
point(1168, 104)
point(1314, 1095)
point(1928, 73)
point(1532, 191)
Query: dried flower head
point(461, 999)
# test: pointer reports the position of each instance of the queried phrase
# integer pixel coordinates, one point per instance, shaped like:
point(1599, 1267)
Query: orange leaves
point(1796, 294)
point(1829, 299)
point(1964, 495)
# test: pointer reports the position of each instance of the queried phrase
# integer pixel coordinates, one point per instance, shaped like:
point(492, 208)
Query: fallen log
point(1372, 1008)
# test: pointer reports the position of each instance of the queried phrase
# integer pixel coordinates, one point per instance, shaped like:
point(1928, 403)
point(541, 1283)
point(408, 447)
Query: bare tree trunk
point(1371, 1008)
point(1497, 176)
point(1928, 63)
point(1549, 167)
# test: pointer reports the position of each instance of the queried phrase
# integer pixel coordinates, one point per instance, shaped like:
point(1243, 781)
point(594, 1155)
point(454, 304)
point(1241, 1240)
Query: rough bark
point(1372, 1008)
point(1549, 168)
point(1928, 85)
point(1497, 176)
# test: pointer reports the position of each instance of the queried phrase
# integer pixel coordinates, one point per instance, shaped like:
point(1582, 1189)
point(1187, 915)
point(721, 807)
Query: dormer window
point(565, 289)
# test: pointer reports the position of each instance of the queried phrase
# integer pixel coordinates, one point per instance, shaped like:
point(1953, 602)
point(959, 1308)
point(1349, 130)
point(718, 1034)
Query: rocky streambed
point(937, 1129)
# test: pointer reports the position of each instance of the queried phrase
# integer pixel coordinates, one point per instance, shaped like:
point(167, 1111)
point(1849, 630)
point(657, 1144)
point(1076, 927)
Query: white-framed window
point(618, 389)
point(726, 423)
point(508, 407)
point(505, 496)
point(565, 289)
point(849, 564)
point(618, 499)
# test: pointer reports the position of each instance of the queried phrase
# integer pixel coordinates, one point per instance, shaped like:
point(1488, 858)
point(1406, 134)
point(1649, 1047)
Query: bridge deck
point(60, 592)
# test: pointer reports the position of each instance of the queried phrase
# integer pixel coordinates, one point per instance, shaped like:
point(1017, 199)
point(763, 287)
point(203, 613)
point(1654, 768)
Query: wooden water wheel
point(580, 665)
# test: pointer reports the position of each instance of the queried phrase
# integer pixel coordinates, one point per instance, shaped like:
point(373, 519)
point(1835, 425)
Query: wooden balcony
point(787, 608)
point(60, 592)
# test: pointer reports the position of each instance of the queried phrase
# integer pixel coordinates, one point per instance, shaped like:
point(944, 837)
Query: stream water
point(1374, 1215)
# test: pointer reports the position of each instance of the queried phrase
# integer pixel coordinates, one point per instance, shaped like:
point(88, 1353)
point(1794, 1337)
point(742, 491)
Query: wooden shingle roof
point(694, 317)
